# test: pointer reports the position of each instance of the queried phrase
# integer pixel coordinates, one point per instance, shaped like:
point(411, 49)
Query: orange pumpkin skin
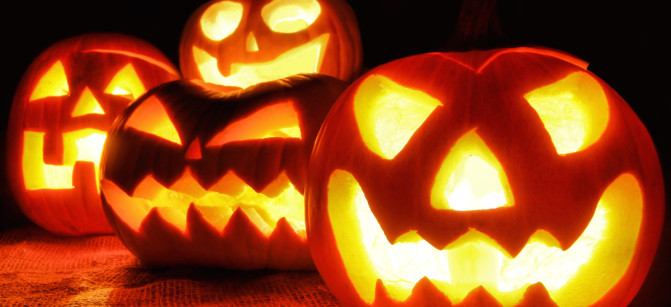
point(229, 183)
point(77, 85)
point(481, 92)
point(244, 39)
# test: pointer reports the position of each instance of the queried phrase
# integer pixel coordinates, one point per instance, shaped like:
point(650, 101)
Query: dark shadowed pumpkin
point(509, 176)
point(64, 105)
point(192, 176)
point(240, 43)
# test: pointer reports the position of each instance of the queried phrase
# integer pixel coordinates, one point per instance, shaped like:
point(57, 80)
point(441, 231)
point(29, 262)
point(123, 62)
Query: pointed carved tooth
point(277, 186)
point(161, 242)
point(173, 216)
point(217, 216)
point(289, 249)
point(241, 236)
point(425, 292)
point(148, 188)
point(188, 185)
point(512, 242)
point(132, 210)
point(229, 184)
point(567, 238)
point(479, 297)
point(258, 220)
point(537, 295)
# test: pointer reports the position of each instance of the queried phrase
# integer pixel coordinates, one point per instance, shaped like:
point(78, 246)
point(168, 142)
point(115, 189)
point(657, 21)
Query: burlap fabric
point(38, 268)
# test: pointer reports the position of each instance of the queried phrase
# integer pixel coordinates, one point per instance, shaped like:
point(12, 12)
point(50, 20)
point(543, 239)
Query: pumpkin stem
point(477, 26)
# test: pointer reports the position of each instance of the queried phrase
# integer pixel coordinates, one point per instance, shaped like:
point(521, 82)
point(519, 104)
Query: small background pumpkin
point(240, 43)
point(67, 100)
point(623, 42)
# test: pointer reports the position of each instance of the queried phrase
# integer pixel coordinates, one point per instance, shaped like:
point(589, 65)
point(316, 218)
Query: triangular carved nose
point(470, 178)
point(251, 44)
point(193, 152)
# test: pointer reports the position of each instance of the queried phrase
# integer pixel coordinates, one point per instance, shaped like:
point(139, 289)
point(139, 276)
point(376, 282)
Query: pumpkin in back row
point(62, 109)
point(240, 43)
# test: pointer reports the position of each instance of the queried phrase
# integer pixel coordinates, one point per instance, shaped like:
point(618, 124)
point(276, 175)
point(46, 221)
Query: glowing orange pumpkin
point(62, 109)
point(510, 176)
point(193, 176)
point(240, 43)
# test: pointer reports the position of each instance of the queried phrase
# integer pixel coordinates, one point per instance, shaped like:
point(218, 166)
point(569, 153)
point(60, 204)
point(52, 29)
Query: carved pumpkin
point(193, 176)
point(62, 109)
point(240, 43)
point(510, 176)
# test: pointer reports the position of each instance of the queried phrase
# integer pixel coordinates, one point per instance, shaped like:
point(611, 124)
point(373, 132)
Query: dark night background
point(622, 41)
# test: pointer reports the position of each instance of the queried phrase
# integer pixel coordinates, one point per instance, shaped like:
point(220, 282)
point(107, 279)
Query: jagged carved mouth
point(306, 58)
point(581, 273)
point(81, 145)
point(265, 208)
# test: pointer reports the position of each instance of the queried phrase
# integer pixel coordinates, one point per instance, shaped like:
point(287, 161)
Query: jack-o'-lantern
point(195, 176)
point(62, 109)
point(240, 43)
point(502, 177)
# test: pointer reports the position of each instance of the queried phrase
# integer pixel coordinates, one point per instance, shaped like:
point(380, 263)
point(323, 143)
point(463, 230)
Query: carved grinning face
point(71, 95)
point(517, 186)
point(227, 163)
point(240, 43)
point(277, 196)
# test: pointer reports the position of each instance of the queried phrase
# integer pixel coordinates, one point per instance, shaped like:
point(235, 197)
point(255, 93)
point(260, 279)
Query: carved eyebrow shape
point(277, 120)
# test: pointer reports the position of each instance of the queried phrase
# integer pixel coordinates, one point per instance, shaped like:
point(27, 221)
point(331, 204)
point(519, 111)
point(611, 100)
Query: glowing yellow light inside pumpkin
point(470, 178)
point(289, 16)
point(306, 58)
point(221, 19)
point(80, 145)
point(574, 111)
point(474, 186)
point(279, 199)
point(388, 114)
point(278, 120)
point(127, 83)
point(577, 276)
point(151, 117)
point(87, 104)
point(53, 83)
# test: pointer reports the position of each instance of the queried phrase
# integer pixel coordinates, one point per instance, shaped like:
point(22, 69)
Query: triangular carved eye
point(574, 111)
point(290, 16)
point(388, 114)
point(87, 104)
point(151, 117)
point(53, 83)
point(126, 83)
point(221, 19)
point(278, 120)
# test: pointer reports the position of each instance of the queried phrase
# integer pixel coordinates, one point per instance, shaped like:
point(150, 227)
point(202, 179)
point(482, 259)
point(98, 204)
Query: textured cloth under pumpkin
point(38, 268)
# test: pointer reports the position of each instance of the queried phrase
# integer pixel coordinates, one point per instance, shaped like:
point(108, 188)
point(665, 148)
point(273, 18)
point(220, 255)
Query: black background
point(622, 41)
